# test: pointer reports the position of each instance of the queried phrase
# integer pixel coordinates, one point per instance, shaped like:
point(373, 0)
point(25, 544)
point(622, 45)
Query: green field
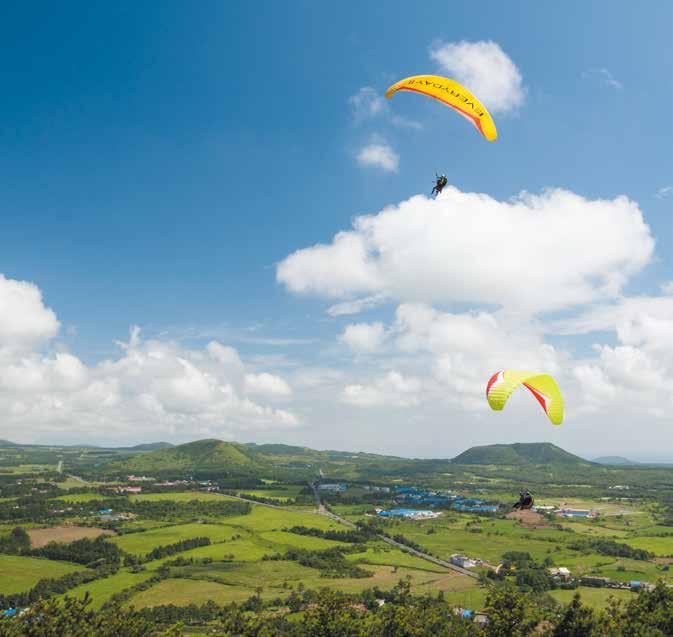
point(18, 574)
point(142, 543)
point(101, 590)
point(286, 493)
point(594, 597)
point(660, 546)
point(232, 582)
point(179, 496)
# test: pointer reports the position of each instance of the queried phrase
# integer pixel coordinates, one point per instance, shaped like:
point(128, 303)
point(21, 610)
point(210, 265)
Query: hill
point(533, 453)
point(615, 461)
point(150, 446)
point(202, 455)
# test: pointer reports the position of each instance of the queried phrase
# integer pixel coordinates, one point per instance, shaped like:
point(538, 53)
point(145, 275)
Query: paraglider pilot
point(525, 501)
point(440, 182)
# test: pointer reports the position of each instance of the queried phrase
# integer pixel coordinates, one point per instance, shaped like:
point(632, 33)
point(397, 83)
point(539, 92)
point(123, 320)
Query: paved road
point(407, 549)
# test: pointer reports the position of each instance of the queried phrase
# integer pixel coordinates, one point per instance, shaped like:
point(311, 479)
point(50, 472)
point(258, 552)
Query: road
point(321, 510)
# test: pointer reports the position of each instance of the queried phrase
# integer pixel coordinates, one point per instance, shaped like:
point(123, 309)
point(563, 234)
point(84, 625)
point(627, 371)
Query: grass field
point(287, 493)
point(594, 597)
point(142, 543)
point(660, 546)
point(234, 582)
point(181, 496)
point(101, 590)
point(18, 574)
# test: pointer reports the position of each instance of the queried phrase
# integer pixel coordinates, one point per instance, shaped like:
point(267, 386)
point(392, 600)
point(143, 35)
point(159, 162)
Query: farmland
point(22, 573)
point(199, 544)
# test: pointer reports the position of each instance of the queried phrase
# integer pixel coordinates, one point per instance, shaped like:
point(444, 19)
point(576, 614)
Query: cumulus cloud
point(485, 69)
point(25, 322)
point(153, 388)
point(268, 385)
point(379, 155)
point(364, 337)
point(534, 253)
point(604, 76)
point(393, 389)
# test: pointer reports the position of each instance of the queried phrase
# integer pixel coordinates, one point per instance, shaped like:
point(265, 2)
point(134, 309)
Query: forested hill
point(201, 455)
point(520, 453)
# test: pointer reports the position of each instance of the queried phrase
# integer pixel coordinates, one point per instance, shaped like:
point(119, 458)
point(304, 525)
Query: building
point(562, 573)
point(463, 561)
point(138, 479)
point(576, 513)
point(410, 514)
point(128, 489)
point(333, 488)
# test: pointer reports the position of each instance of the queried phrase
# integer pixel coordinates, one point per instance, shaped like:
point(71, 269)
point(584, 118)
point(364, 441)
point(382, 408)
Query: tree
point(577, 620)
point(506, 610)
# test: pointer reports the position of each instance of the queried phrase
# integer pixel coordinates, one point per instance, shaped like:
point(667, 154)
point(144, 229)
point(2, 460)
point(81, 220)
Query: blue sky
point(160, 162)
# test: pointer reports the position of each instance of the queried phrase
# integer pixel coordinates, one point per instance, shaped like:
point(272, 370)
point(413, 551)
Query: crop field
point(144, 542)
point(18, 574)
point(594, 597)
point(101, 590)
point(660, 546)
point(232, 582)
point(63, 534)
point(286, 493)
point(180, 496)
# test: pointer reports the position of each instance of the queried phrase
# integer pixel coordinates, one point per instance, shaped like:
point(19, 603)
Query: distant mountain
point(615, 461)
point(201, 455)
point(520, 453)
point(150, 446)
point(7, 443)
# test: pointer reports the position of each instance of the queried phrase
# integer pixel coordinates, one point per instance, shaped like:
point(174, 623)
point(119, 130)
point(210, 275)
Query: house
point(480, 618)
point(562, 573)
point(463, 561)
point(128, 489)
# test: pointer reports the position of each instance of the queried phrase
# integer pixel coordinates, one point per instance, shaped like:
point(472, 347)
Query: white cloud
point(604, 76)
point(393, 389)
point(380, 155)
point(532, 254)
point(664, 192)
point(25, 321)
point(356, 306)
point(667, 288)
point(268, 385)
point(153, 389)
point(367, 103)
point(364, 337)
point(638, 321)
point(485, 69)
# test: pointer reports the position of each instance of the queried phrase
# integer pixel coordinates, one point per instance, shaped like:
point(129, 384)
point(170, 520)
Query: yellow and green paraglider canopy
point(501, 385)
point(452, 94)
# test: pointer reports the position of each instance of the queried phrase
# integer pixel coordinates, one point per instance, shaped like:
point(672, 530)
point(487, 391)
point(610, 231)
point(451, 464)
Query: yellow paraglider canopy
point(453, 95)
point(501, 385)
